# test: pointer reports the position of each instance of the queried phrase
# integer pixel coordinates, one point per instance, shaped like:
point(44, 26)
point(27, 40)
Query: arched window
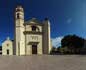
point(33, 28)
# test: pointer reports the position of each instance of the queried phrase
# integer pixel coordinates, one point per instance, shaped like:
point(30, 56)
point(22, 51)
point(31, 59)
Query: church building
point(31, 37)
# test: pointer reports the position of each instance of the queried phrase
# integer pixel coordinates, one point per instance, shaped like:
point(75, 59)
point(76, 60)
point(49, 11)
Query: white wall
point(9, 47)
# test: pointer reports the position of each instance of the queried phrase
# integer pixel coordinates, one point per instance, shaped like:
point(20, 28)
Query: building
point(31, 37)
point(7, 47)
point(0, 50)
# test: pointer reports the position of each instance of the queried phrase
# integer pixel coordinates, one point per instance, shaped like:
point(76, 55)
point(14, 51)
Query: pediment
point(32, 21)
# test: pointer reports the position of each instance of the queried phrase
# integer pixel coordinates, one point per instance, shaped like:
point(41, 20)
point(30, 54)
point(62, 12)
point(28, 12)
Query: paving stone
point(43, 62)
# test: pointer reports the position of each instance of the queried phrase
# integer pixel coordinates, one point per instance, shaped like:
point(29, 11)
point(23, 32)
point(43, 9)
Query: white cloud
point(56, 42)
point(69, 20)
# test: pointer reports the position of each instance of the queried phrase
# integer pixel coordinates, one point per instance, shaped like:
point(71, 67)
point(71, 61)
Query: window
point(18, 10)
point(7, 45)
point(33, 28)
point(7, 52)
point(17, 15)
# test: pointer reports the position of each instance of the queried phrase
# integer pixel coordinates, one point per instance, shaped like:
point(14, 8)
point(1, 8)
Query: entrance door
point(34, 49)
point(7, 52)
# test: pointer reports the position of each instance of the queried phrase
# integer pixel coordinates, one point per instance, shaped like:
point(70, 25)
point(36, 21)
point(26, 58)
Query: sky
point(66, 16)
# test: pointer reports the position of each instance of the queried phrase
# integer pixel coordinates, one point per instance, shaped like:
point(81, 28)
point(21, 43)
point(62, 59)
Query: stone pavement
point(44, 62)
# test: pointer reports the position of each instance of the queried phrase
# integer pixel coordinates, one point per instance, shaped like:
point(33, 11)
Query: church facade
point(31, 37)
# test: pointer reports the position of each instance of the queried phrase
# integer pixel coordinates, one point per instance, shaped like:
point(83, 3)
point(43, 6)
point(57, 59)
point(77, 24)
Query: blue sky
point(66, 16)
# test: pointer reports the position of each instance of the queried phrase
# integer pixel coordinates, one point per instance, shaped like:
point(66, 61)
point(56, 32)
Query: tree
point(53, 51)
point(73, 43)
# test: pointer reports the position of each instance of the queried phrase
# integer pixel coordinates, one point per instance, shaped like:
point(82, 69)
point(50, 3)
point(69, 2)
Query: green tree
point(73, 43)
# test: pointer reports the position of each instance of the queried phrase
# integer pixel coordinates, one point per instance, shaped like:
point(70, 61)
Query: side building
point(7, 47)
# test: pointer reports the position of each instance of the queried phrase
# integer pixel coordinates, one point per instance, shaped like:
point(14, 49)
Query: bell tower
point(19, 16)
point(19, 29)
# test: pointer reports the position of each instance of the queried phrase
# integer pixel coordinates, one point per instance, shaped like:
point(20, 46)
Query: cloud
point(56, 42)
point(69, 20)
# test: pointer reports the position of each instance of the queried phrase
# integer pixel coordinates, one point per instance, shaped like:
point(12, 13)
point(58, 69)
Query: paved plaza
point(44, 62)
